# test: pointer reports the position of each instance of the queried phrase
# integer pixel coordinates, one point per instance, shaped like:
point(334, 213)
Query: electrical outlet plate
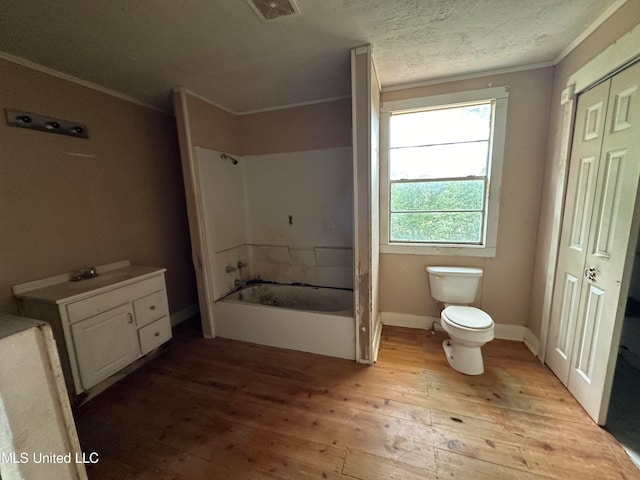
point(33, 121)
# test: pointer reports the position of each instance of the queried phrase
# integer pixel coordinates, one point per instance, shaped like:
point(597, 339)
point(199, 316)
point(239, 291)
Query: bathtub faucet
point(239, 283)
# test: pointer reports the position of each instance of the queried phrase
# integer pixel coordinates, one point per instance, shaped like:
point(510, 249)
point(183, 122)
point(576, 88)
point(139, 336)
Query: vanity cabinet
point(102, 324)
point(105, 344)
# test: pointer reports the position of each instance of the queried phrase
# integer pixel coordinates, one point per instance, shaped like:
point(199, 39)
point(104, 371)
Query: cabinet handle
point(157, 334)
point(130, 317)
point(152, 307)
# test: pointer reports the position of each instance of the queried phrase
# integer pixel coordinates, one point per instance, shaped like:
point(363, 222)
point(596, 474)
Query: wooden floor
point(209, 409)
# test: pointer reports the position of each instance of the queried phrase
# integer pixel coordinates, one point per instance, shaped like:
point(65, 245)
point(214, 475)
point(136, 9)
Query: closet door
point(589, 294)
point(583, 168)
point(603, 300)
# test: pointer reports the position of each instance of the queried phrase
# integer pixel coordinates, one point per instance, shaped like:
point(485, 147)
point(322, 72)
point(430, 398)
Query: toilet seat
point(467, 317)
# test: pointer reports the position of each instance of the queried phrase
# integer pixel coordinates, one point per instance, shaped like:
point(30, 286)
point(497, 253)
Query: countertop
point(61, 289)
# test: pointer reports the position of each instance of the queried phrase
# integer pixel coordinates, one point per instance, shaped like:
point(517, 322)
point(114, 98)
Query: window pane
point(463, 227)
point(450, 195)
point(441, 161)
point(446, 125)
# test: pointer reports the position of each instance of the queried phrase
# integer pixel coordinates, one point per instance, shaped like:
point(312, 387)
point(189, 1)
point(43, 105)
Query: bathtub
point(309, 319)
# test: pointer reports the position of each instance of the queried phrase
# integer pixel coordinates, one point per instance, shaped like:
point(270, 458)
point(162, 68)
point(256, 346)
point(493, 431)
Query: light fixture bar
point(33, 121)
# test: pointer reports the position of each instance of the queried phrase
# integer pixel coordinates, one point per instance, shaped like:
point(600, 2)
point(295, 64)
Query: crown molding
point(589, 30)
point(84, 83)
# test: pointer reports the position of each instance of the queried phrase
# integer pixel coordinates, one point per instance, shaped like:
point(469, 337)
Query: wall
point(67, 202)
point(617, 25)
point(202, 124)
point(247, 207)
point(305, 153)
point(506, 286)
point(299, 216)
point(366, 185)
point(211, 127)
point(222, 194)
point(296, 129)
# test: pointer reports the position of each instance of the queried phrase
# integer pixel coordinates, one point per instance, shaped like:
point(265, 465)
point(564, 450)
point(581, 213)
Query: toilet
point(469, 328)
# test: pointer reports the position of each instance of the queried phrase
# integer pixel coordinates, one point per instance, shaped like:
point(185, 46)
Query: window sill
point(443, 250)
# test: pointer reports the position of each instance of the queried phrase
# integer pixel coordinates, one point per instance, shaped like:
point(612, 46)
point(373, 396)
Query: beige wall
point(506, 286)
point(211, 127)
point(617, 25)
point(67, 202)
point(310, 127)
point(295, 129)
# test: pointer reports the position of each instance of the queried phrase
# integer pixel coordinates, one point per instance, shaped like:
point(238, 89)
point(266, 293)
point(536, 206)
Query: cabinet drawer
point(102, 302)
point(154, 334)
point(150, 308)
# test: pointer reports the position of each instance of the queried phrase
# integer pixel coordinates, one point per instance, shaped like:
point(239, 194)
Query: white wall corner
point(184, 314)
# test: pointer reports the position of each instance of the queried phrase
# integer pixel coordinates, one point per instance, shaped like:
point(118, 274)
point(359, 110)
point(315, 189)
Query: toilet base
point(467, 360)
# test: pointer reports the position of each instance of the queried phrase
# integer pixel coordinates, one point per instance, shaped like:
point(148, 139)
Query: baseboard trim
point(408, 320)
point(531, 341)
point(503, 331)
point(510, 332)
point(184, 314)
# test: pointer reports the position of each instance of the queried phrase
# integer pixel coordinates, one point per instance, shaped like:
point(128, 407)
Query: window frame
point(487, 247)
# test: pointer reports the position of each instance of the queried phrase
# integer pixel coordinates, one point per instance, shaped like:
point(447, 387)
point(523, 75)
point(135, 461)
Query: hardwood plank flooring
point(223, 409)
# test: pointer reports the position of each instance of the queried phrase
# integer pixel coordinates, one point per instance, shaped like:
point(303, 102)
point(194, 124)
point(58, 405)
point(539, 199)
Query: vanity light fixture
point(34, 121)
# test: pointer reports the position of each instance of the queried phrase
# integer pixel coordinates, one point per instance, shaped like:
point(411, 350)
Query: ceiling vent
point(268, 10)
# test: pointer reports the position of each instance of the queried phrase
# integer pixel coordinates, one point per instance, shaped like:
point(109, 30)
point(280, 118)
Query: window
point(441, 168)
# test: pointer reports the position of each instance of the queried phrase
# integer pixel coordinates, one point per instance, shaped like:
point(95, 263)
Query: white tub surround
point(321, 266)
point(286, 217)
point(309, 319)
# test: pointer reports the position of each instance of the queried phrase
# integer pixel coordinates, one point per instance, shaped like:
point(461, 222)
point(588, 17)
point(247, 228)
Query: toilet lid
point(468, 317)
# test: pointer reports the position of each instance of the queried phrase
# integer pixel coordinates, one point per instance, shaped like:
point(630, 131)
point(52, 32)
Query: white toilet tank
point(454, 285)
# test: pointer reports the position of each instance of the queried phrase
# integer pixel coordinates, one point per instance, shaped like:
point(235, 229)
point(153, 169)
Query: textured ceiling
point(221, 50)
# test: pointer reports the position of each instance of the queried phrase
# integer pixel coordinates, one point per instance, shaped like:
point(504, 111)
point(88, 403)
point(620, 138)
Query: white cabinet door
point(105, 343)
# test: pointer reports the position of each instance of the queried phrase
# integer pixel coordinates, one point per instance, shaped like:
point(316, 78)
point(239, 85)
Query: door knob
point(591, 273)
